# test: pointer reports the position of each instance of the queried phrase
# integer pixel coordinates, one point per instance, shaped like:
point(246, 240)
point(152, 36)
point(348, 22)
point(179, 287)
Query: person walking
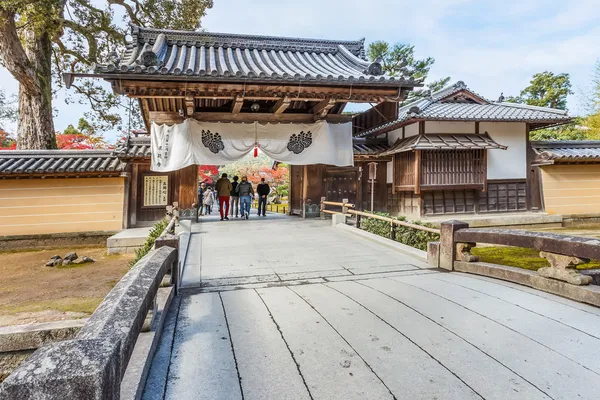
point(224, 188)
point(208, 201)
point(201, 190)
point(246, 192)
point(234, 201)
point(263, 189)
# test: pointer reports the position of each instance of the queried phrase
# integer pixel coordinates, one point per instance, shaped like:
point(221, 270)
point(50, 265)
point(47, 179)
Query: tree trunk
point(36, 127)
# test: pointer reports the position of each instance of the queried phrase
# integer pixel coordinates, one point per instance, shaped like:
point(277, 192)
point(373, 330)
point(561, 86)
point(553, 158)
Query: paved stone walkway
point(320, 313)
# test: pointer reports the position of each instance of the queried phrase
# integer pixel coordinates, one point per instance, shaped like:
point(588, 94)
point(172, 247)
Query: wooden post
point(126, 197)
point(135, 177)
point(392, 231)
point(304, 189)
point(417, 171)
point(322, 208)
point(394, 174)
point(344, 208)
point(358, 216)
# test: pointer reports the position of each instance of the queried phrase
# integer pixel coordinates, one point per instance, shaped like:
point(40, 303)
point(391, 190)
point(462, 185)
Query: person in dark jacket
point(246, 192)
point(263, 189)
point(235, 197)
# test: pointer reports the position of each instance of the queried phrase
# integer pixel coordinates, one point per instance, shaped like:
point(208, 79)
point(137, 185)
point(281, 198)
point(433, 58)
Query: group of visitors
point(233, 196)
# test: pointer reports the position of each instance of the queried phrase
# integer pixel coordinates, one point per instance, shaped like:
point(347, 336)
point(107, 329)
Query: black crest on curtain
point(299, 142)
point(212, 141)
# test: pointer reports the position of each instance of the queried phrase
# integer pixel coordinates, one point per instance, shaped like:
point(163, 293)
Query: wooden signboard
point(156, 191)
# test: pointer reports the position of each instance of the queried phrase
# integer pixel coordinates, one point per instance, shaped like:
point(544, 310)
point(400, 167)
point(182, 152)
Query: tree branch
point(132, 14)
point(13, 54)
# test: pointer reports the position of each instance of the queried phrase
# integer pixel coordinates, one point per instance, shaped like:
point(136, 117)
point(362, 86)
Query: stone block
point(337, 219)
point(34, 336)
point(563, 268)
point(433, 254)
point(120, 317)
point(593, 273)
point(69, 370)
point(447, 246)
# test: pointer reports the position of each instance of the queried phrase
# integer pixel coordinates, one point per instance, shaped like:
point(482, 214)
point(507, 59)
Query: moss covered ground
point(519, 257)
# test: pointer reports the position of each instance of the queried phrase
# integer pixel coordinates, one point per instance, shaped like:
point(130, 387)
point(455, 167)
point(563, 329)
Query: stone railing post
point(171, 240)
point(322, 207)
point(448, 244)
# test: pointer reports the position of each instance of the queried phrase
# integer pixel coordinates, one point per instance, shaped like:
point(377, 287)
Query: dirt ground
point(31, 292)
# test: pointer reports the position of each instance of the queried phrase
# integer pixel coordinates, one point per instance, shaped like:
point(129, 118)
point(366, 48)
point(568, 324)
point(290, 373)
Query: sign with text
point(156, 190)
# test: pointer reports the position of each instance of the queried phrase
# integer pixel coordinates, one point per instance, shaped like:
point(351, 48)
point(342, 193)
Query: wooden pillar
point(477, 127)
point(418, 171)
point(393, 174)
point(188, 186)
point(528, 177)
point(126, 175)
point(134, 195)
point(421, 127)
point(304, 189)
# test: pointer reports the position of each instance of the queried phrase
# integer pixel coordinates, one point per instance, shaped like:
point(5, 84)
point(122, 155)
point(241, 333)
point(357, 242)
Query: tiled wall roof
point(14, 162)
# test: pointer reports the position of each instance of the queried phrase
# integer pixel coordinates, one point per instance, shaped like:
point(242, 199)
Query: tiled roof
point(364, 147)
point(13, 162)
point(134, 147)
point(443, 142)
point(442, 106)
point(548, 152)
point(218, 56)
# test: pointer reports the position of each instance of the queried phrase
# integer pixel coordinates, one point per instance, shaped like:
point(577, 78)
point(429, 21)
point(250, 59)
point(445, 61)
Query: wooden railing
point(563, 252)
point(277, 208)
point(348, 210)
point(92, 365)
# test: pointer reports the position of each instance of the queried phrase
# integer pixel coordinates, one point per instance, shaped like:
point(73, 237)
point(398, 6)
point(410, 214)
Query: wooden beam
point(236, 107)
point(372, 94)
point(281, 105)
point(321, 109)
point(161, 117)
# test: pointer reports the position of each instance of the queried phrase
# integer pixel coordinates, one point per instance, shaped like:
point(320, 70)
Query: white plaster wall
point(394, 135)
point(449, 127)
point(410, 130)
point(390, 172)
point(512, 162)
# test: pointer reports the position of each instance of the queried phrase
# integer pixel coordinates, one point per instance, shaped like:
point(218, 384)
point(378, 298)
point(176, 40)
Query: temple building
point(456, 152)
point(211, 98)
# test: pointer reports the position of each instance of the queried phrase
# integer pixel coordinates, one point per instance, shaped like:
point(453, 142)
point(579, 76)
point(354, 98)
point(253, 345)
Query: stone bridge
point(298, 309)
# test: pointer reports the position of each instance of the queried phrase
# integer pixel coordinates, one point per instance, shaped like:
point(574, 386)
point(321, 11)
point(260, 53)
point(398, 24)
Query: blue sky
point(494, 46)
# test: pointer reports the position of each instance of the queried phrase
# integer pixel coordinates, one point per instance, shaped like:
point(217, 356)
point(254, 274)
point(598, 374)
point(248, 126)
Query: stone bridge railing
point(92, 365)
point(563, 252)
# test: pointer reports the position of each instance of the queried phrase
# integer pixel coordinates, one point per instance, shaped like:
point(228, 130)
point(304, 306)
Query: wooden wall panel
point(188, 186)
point(403, 203)
point(45, 206)
point(571, 189)
point(380, 195)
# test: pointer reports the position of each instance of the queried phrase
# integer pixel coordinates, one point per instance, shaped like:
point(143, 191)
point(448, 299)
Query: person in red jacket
point(223, 189)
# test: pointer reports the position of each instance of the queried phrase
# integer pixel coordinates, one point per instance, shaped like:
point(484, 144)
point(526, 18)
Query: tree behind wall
point(546, 90)
point(41, 39)
point(399, 60)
